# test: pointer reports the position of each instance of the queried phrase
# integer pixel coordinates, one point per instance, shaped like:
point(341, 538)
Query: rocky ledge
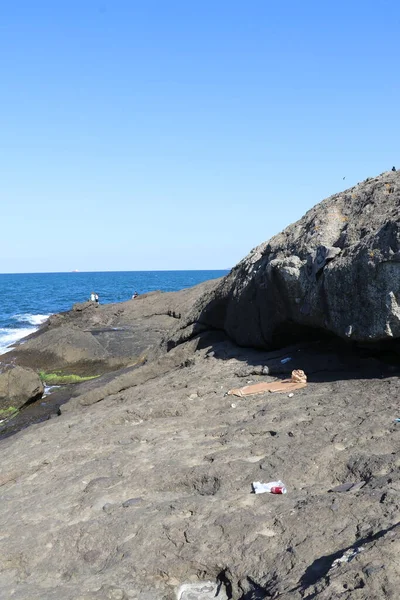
point(142, 487)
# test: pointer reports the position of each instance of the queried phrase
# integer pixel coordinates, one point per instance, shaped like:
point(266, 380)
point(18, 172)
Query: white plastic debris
point(290, 395)
point(285, 360)
point(347, 556)
point(233, 405)
point(349, 331)
point(273, 487)
point(201, 590)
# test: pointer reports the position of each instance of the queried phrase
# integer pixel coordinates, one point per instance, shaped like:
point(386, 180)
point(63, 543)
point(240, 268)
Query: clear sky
point(166, 134)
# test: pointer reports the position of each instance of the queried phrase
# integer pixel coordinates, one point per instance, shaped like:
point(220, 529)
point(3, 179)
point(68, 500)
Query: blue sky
point(179, 135)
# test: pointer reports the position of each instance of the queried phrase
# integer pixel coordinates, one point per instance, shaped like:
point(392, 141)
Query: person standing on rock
point(92, 297)
point(96, 298)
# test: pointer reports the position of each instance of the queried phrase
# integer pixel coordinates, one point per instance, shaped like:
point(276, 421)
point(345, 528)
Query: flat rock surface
point(138, 492)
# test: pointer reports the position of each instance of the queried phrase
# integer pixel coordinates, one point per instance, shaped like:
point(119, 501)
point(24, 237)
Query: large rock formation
point(336, 270)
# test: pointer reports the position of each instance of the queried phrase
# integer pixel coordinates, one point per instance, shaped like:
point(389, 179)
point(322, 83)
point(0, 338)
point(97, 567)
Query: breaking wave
point(31, 319)
point(8, 337)
point(28, 324)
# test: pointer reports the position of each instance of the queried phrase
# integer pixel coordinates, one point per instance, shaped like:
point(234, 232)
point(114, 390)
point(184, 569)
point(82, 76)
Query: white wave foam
point(11, 336)
point(8, 337)
point(48, 389)
point(31, 319)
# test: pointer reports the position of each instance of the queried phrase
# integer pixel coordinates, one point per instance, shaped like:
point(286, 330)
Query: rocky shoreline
point(88, 342)
point(140, 487)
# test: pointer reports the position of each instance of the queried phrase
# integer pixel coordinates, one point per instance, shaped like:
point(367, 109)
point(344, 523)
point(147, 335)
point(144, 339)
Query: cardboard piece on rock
point(296, 382)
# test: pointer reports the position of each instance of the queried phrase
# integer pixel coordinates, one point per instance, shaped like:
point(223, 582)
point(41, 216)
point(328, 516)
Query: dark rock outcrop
point(85, 306)
point(337, 270)
point(18, 386)
point(92, 339)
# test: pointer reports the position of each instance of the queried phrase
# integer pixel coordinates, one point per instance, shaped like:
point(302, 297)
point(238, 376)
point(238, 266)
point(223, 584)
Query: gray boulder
point(335, 270)
point(18, 386)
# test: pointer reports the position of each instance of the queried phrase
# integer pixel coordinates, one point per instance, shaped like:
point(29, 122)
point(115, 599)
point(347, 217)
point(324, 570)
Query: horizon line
point(76, 271)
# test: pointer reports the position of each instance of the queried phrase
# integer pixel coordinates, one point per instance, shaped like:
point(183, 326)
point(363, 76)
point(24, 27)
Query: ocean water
point(27, 300)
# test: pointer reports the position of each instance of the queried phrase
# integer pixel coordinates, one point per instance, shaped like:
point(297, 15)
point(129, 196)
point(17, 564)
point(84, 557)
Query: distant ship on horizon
point(75, 271)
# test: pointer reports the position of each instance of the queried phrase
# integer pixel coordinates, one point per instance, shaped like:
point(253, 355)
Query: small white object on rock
point(347, 556)
point(233, 405)
point(202, 590)
point(290, 395)
point(349, 331)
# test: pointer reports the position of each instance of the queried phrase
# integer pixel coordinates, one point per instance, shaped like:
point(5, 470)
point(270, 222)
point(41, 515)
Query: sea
point(28, 299)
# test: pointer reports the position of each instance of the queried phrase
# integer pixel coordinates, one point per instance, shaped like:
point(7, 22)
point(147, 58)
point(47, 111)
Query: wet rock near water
point(93, 339)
